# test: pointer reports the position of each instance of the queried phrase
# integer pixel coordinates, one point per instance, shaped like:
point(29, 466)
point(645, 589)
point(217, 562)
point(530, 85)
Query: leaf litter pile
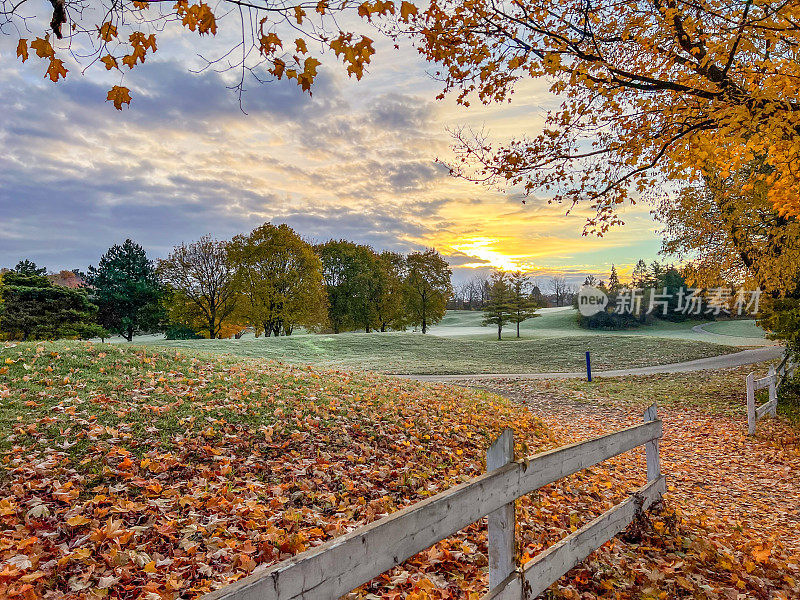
point(128, 473)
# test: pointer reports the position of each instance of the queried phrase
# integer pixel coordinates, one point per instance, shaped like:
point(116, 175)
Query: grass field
point(562, 322)
point(414, 353)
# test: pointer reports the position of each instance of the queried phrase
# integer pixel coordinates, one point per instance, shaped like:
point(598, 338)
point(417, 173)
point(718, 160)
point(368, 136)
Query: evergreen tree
point(126, 290)
point(34, 308)
point(498, 310)
point(28, 267)
point(640, 275)
point(521, 304)
point(613, 281)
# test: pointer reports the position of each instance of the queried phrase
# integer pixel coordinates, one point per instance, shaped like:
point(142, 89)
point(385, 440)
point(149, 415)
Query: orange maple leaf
point(22, 49)
point(56, 69)
point(119, 95)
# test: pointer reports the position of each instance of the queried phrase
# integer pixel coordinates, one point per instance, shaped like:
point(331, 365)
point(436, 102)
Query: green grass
point(744, 328)
point(563, 322)
point(427, 354)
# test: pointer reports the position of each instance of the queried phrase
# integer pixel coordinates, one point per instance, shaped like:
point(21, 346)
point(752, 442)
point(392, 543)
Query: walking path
point(713, 467)
point(736, 359)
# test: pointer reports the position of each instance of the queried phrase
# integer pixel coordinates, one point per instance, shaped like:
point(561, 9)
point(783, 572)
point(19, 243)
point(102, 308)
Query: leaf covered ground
point(139, 473)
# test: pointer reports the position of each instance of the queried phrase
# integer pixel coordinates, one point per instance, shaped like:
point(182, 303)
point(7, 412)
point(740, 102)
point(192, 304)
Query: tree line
point(269, 281)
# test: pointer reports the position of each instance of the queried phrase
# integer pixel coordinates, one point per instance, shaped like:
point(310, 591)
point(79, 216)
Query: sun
point(483, 248)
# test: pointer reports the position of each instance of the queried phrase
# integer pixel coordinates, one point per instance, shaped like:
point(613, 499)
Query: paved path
point(723, 361)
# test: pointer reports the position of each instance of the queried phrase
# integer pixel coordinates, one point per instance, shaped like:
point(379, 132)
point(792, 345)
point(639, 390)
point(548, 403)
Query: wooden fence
point(754, 413)
point(339, 566)
point(773, 381)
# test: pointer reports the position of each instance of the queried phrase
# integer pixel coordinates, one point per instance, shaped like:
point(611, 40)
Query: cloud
point(353, 160)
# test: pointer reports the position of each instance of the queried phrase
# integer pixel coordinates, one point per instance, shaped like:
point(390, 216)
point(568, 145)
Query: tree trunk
point(499, 331)
point(424, 325)
point(517, 328)
point(129, 337)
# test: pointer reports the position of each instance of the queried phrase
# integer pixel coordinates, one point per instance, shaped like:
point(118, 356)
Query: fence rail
point(337, 567)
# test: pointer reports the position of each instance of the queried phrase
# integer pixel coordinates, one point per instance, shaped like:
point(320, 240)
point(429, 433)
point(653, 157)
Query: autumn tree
point(203, 283)
point(281, 280)
point(353, 281)
point(391, 304)
point(126, 290)
point(498, 310)
point(649, 92)
point(521, 305)
point(428, 287)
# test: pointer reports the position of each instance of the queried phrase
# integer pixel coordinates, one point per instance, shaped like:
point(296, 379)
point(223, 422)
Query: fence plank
point(554, 562)
point(651, 447)
point(751, 405)
point(344, 563)
point(501, 521)
point(773, 392)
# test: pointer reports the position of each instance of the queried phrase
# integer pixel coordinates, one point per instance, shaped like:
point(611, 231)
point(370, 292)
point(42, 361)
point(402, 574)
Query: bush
point(608, 320)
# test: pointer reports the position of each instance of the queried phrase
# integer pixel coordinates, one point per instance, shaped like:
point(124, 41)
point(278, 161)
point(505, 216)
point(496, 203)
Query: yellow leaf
point(22, 49)
point(119, 95)
point(301, 45)
point(150, 567)
point(299, 13)
point(78, 520)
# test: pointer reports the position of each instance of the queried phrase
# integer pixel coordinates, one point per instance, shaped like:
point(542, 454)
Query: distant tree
point(391, 302)
point(613, 281)
point(203, 282)
point(499, 310)
point(67, 279)
point(558, 286)
point(537, 297)
point(428, 286)
point(640, 276)
point(28, 267)
point(126, 290)
point(591, 280)
point(34, 308)
point(354, 283)
point(281, 280)
point(522, 305)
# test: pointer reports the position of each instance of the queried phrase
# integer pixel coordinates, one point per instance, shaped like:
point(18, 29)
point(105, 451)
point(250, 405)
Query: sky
point(356, 160)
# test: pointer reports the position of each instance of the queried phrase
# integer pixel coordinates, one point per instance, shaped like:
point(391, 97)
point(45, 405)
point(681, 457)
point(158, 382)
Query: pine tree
point(521, 304)
point(125, 287)
point(613, 280)
point(497, 310)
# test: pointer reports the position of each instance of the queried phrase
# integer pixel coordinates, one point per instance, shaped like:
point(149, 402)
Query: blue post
point(588, 368)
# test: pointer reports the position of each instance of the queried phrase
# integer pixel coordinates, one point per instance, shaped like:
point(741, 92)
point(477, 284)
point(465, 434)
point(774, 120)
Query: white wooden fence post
point(501, 522)
point(651, 448)
point(751, 404)
point(773, 391)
